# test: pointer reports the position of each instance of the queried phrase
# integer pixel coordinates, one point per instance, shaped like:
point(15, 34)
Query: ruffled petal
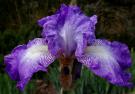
point(108, 60)
point(69, 30)
point(25, 60)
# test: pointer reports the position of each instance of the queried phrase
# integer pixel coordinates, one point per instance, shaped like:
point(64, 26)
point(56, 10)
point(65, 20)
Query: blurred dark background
point(18, 25)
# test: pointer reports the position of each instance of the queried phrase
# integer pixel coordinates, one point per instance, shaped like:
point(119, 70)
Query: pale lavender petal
point(69, 30)
point(108, 60)
point(25, 60)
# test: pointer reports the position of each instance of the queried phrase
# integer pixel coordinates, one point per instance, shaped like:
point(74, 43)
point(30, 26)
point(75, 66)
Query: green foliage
point(7, 86)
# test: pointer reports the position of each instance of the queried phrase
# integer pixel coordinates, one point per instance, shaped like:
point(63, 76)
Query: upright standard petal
point(25, 60)
point(69, 30)
point(108, 60)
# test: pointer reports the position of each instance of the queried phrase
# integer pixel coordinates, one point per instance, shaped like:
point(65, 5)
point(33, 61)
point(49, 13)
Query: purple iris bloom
point(69, 33)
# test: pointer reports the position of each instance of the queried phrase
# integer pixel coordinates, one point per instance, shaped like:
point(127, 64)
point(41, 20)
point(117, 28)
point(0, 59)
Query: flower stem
point(71, 91)
point(73, 2)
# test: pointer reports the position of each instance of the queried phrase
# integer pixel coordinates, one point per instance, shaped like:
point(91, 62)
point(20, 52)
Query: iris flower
point(70, 34)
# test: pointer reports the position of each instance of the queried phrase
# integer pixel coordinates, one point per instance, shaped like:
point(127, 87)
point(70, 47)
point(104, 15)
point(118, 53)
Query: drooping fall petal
point(25, 60)
point(108, 60)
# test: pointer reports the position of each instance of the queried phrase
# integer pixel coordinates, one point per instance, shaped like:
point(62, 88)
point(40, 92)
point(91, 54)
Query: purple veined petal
point(122, 54)
point(11, 62)
point(25, 60)
point(105, 59)
point(69, 30)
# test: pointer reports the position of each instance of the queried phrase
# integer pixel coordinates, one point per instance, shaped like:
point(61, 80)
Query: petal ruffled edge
point(25, 60)
point(83, 30)
point(104, 58)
